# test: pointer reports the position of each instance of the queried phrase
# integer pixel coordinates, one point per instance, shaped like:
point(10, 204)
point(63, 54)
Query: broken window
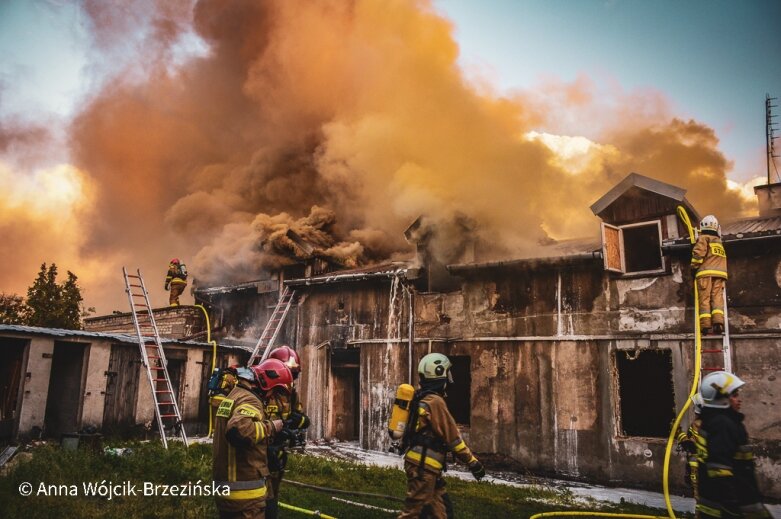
point(459, 392)
point(633, 248)
point(645, 391)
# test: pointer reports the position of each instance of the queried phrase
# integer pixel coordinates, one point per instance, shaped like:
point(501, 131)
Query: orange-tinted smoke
point(358, 108)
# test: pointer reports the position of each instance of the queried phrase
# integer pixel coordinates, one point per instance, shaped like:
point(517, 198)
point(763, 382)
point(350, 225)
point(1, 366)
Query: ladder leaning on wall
point(725, 352)
point(273, 327)
point(153, 357)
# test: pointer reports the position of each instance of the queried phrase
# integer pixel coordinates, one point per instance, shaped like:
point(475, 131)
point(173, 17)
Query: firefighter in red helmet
point(284, 406)
point(242, 432)
point(176, 280)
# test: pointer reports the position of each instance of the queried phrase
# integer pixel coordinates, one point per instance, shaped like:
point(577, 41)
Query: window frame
point(622, 252)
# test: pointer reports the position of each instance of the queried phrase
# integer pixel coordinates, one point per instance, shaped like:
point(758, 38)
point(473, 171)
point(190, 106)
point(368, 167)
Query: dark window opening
point(66, 386)
point(460, 391)
point(642, 250)
point(645, 386)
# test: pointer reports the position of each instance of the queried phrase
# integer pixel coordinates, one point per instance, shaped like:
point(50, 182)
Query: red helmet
point(289, 358)
point(272, 373)
point(175, 261)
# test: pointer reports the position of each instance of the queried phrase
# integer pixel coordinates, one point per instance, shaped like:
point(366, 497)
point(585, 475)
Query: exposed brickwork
point(174, 322)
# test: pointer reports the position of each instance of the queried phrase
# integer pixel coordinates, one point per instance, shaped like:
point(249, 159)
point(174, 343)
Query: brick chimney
point(769, 198)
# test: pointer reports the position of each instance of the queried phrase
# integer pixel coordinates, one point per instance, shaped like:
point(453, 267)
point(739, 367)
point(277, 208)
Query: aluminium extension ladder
point(273, 327)
point(153, 356)
point(725, 346)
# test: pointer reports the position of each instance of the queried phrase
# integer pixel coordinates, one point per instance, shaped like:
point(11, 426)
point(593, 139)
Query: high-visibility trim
point(711, 273)
point(743, 456)
point(705, 315)
point(697, 261)
point(415, 456)
point(178, 281)
point(717, 311)
point(715, 512)
point(240, 490)
point(258, 436)
point(460, 446)
point(249, 410)
point(720, 473)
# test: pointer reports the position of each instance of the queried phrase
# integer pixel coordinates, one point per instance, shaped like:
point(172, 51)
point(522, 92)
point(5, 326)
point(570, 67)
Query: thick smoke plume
point(344, 122)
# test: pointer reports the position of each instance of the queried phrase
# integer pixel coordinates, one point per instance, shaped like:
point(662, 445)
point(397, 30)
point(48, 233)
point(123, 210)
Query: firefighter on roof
point(430, 434)
point(283, 404)
point(242, 432)
point(176, 280)
point(709, 267)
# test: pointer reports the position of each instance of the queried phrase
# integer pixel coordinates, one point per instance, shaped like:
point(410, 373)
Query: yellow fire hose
point(695, 382)
point(214, 359)
point(315, 513)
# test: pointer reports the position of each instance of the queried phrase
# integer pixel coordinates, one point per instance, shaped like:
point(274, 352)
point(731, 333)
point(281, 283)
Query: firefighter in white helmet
point(430, 434)
point(709, 268)
point(727, 482)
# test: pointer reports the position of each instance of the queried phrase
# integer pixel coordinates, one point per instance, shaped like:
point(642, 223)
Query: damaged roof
point(384, 270)
point(76, 334)
point(558, 252)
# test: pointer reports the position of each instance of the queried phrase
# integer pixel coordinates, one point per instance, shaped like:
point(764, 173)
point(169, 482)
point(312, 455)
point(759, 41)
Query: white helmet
point(710, 223)
point(717, 387)
point(697, 403)
point(246, 374)
point(435, 366)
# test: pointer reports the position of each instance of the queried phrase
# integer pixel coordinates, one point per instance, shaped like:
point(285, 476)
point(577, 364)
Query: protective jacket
point(435, 434)
point(708, 256)
point(727, 482)
point(177, 275)
point(241, 435)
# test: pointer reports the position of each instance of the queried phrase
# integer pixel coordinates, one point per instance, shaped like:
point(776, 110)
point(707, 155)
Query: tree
point(13, 309)
point(54, 305)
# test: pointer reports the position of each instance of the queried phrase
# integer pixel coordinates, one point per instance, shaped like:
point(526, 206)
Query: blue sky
point(714, 60)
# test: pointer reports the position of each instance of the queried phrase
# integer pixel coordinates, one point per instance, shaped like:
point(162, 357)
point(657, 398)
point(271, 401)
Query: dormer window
point(633, 248)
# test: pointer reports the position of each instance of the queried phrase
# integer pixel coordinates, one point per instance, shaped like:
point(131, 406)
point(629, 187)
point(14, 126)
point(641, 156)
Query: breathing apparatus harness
point(413, 437)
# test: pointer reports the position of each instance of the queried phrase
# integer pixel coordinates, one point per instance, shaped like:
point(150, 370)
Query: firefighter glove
point(166, 287)
point(278, 425)
point(477, 470)
point(297, 420)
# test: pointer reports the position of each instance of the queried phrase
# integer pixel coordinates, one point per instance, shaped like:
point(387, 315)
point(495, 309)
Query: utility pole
point(770, 128)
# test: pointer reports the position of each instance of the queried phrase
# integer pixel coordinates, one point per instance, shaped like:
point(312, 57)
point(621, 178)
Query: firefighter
point(688, 441)
point(709, 268)
point(176, 280)
point(727, 483)
point(283, 404)
point(431, 433)
point(241, 435)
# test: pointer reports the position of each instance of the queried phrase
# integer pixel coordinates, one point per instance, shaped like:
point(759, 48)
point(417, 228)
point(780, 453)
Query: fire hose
point(214, 359)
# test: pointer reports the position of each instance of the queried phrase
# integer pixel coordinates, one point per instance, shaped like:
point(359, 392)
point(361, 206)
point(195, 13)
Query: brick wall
point(173, 322)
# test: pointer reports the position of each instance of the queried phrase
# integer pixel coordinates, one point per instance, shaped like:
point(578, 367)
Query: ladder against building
point(153, 358)
point(711, 353)
point(273, 327)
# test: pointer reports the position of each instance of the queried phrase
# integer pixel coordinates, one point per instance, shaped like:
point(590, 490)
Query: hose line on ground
point(214, 359)
point(345, 492)
point(596, 514)
point(315, 513)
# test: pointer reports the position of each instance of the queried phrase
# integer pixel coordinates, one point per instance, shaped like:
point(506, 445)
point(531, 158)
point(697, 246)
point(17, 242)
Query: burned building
point(572, 363)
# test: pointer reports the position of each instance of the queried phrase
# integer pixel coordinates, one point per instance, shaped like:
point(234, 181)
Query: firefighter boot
point(718, 329)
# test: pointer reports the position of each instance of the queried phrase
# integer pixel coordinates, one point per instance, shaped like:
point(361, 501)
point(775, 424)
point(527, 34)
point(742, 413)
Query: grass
point(149, 462)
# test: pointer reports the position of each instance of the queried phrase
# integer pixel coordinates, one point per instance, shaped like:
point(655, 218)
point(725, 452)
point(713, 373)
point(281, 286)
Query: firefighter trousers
point(176, 291)
point(710, 296)
point(426, 495)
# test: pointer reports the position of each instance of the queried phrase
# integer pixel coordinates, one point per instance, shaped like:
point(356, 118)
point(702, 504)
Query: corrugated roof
point(384, 270)
point(756, 226)
point(118, 337)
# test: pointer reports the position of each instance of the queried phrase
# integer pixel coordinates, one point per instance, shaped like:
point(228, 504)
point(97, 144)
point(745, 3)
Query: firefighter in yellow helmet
point(176, 280)
point(709, 267)
point(727, 482)
point(430, 434)
point(242, 433)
